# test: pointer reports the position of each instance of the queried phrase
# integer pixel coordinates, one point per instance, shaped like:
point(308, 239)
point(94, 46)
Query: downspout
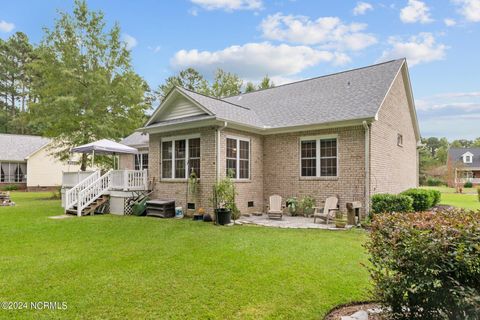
point(367, 167)
point(217, 150)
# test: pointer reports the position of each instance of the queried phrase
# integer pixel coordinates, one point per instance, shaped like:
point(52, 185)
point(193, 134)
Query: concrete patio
point(288, 222)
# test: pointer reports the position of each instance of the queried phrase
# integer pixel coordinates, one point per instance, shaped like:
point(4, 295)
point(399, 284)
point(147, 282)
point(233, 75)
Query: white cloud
point(470, 9)
point(229, 5)
point(130, 41)
point(6, 26)
point(421, 48)
point(453, 101)
point(155, 49)
point(254, 60)
point(449, 22)
point(415, 11)
point(328, 32)
point(361, 8)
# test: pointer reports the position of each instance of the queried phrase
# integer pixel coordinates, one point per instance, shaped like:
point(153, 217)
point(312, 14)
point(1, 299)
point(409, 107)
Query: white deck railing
point(93, 191)
point(71, 196)
point(129, 180)
point(472, 180)
point(71, 179)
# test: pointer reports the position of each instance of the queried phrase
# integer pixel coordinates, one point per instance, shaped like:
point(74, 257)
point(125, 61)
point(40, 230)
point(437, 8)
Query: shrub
point(385, 202)
point(11, 187)
point(434, 182)
point(468, 184)
point(426, 265)
point(436, 195)
point(478, 193)
point(307, 203)
point(422, 199)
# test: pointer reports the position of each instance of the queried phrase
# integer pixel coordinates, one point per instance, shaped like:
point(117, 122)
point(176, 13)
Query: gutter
point(367, 167)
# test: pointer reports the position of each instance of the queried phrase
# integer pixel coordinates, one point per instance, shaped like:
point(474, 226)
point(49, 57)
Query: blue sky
point(294, 39)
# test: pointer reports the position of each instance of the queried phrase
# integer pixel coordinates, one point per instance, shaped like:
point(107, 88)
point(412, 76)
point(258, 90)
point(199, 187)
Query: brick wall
point(393, 168)
point(282, 167)
point(126, 161)
point(252, 189)
point(177, 189)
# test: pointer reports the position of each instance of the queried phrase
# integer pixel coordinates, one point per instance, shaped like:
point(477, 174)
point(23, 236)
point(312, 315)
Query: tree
point(85, 84)
point(15, 80)
point(250, 87)
point(226, 84)
point(266, 83)
point(461, 143)
point(189, 79)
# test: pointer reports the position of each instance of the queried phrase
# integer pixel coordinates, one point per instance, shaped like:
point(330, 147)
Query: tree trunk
point(83, 166)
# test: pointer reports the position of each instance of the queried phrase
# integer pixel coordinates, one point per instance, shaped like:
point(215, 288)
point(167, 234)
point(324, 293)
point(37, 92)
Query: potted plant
point(292, 205)
point(224, 200)
point(339, 221)
point(307, 204)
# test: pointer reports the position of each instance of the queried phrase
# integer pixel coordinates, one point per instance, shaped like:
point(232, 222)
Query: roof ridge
point(214, 98)
point(317, 77)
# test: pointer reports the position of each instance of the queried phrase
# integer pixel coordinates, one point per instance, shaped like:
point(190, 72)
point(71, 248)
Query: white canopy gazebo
point(104, 146)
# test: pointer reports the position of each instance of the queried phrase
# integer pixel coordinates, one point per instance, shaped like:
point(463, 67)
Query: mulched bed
point(349, 309)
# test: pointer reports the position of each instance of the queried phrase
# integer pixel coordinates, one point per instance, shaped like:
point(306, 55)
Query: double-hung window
point(238, 157)
point(318, 156)
point(141, 161)
point(180, 157)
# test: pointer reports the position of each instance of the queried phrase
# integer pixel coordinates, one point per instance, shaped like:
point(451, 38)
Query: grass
point(146, 268)
point(466, 200)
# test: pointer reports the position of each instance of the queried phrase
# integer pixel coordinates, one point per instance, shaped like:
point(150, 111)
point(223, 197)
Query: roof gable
point(458, 155)
point(177, 105)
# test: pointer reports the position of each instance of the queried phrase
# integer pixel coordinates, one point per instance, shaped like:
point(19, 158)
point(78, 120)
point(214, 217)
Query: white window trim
point(140, 160)
point(238, 138)
point(317, 155)
point(172, 140)
point(467, 157)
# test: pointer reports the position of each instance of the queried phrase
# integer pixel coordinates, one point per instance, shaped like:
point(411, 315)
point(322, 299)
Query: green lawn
point(146, 268)
point(467, 200)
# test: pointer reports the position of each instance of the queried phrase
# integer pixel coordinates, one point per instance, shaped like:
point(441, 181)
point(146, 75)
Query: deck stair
point(97, 206)
point(91, 194)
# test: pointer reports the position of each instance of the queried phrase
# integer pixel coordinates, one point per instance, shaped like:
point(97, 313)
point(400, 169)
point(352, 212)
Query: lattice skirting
point(126, 207)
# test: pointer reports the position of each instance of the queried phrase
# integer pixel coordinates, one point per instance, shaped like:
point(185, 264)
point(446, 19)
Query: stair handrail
point(71, 196)
point(93, 191)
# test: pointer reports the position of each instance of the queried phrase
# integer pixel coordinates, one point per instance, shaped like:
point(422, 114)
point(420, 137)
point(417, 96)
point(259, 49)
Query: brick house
point(465, 163)
point(350, 134)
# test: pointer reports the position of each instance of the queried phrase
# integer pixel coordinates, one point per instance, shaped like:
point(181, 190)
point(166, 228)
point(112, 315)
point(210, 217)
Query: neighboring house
point(25, 161)
point(351, 134)
point(138, 161)
point(465, 163)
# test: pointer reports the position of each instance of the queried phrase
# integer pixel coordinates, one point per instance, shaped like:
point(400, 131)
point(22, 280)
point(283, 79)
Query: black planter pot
point(223, 216)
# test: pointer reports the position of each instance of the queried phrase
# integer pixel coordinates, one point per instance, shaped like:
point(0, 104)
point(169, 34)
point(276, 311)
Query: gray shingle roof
point(135, 139)
point(348, 95)
point(15, 147)
point(225, 110)
point(455, 154)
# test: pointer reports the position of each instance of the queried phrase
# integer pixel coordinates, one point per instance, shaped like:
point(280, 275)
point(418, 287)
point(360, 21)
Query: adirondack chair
point(326, 213)
point(275, 207)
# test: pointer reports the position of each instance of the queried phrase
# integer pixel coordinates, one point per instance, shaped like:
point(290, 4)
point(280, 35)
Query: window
point(318, 157)
point(141, 161)
point(238, 158)
point(180, 157)
point(13, 172)
point(467, 157)
point(400, 140)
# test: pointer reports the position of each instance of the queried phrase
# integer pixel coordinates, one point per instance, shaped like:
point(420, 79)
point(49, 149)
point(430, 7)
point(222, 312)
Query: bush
point(422, 199)
point(426, 265)
point(434, 182)
point(436, 195)
point(468, 184)
point(385, 202)
point(11, 187)
point(478, 193)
